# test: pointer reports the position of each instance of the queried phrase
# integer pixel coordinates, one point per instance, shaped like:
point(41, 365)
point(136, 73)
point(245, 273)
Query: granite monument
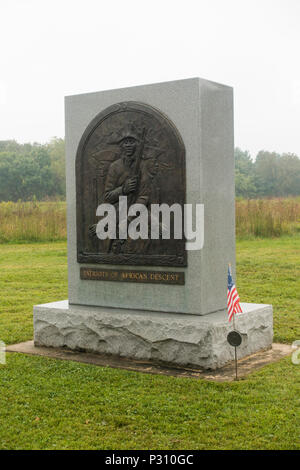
point(167, 144)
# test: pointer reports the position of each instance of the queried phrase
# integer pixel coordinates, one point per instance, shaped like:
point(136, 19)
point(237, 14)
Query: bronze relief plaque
point(129, 149)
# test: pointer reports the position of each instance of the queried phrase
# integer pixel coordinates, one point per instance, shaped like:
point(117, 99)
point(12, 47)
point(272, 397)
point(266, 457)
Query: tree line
point(270, 175)
point(32, 171)
point(37, 171)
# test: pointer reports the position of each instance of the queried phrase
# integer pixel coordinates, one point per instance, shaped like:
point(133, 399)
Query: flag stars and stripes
point(233, 300)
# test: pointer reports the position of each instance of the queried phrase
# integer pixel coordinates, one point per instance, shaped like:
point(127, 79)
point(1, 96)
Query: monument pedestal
point(180, 339)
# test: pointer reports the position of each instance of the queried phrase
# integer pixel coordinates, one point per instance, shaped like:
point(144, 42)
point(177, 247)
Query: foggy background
point(50, 49)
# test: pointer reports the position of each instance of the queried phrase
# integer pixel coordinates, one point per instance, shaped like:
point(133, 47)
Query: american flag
point(233, 300)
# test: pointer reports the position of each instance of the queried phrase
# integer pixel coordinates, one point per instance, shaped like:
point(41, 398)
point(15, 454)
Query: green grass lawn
point(53, 404)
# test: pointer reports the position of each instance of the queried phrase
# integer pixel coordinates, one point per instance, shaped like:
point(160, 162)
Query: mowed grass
point(53, 404)
point(29, 274)
point(268, 271)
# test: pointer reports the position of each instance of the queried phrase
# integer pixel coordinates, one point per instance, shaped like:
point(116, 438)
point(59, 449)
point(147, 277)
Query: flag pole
point(233, 326)
point(236, 363)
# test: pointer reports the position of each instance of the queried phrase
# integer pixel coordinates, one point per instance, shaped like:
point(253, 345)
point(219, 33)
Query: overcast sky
point(53, 48)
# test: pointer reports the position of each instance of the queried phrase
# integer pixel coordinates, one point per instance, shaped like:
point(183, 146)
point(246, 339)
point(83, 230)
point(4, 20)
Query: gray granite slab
point(185, 340)
point(202, 111)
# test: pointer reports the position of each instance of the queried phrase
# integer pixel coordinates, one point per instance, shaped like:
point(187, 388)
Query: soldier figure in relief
point(127, 177)
point(123, 179)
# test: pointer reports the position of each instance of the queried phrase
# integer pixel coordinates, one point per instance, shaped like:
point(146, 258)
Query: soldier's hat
point(126, 132)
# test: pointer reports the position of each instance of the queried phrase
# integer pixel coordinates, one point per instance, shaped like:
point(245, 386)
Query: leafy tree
point(289, 175)
point(56, 151)
point(266, 173)
point(277, 175)
point(26, 176)
point(244, 174)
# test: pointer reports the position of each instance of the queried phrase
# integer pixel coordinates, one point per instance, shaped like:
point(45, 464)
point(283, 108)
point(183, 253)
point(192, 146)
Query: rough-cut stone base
point(185, 340)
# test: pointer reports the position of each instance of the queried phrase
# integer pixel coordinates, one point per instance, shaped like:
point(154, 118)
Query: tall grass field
point(265, 218)
point(32, 221)
point(46, 221)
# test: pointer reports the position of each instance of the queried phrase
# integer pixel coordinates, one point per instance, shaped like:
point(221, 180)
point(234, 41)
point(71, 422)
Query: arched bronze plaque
point(129, 149)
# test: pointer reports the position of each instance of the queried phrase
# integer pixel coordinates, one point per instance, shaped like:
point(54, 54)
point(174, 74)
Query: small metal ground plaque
point(155, 277)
